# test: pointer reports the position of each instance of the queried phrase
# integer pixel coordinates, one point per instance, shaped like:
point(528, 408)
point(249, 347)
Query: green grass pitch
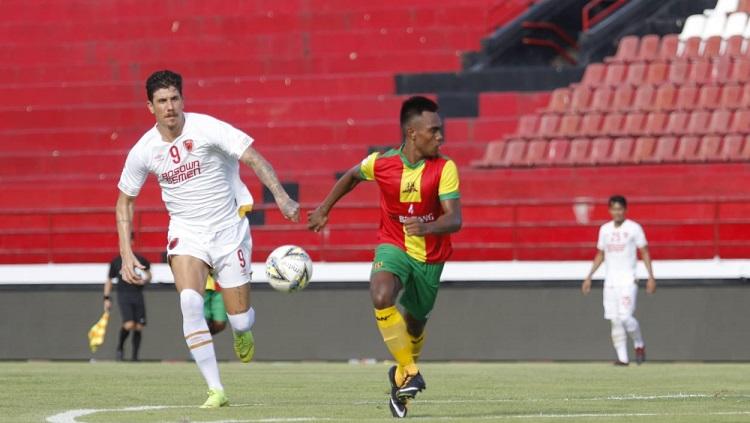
point(300, 392)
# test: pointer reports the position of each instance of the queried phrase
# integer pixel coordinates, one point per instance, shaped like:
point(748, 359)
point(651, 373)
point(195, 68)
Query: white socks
point(634, 330)
point(198, 337)
point(242, 322)
point(620, 340)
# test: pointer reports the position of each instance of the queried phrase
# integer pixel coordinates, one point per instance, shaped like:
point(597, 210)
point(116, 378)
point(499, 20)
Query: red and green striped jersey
point(412, 190)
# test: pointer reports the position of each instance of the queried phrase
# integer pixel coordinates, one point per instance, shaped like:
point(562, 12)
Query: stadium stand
point(305, 78)
point(543, 140)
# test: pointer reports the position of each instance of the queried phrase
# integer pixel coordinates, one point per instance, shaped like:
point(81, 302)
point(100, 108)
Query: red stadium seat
point(622, 149)
point(668, 47)
point(711, 47)
point(745, 96)
point(514, 153)
point(559, 100)
point(623, 98)
point(600, 150)
point(678, 73)
point(557, 152)
point(677, 123)
point(690, 48)
point(644, 149)
point(579, 151)
point(649, 48)
point(580, 98)
point(731, 96)
point(593, 76)
point(616, 73)
point(636, 74)
point(740, 71)
point(732, 147)
point(643, 99)
point(527, 126)
point(627, 50)
point(658, 72)
point(656, 123)
point(697, 123)
point(612, 124)
point(493, 155)
point(569, 125)
point(700, 72)
point(721, 69)
point(591, 124)
point(687, 97)
point(634, 124)
point(536, 152)
point(710, 148)
point(664, 150)
point(664, 99)
point(687, 149)
point(548, 125)
point(601, 100)
point(740, 122)
point(745, 153)
point(708, 97)
point(719, 122)
point(733, 46)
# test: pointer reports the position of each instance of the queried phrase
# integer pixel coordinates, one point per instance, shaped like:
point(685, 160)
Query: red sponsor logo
point(173, 243)
point(188, 145)
point(182, 173)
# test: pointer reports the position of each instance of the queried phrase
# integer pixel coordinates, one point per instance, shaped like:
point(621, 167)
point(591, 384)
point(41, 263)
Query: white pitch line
point(272, 420)
point(609, 398)
point(71, 416)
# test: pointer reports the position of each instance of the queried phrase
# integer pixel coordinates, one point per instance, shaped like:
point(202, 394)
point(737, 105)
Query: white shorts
point(227, 251)
point(619, 300)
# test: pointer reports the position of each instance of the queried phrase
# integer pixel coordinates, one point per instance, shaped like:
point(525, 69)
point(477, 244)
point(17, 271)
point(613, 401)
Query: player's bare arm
point(447, 223)
point(317, 219)
point(124, 214)
point(598, 260)
point(289, 208)
point(646, 257)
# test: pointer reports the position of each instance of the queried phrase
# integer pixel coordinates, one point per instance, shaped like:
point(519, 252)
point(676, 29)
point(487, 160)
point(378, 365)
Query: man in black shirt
point(130, 301)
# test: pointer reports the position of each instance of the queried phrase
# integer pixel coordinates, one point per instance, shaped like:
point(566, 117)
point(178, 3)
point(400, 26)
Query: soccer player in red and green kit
point(420, 207)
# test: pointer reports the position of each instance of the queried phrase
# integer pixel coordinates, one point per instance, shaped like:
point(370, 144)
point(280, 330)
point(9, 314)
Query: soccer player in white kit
point(195, 160)
point(618, 241)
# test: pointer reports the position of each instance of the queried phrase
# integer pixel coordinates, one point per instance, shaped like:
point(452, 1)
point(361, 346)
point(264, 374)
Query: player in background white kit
point(617, 245)
point(195, 160)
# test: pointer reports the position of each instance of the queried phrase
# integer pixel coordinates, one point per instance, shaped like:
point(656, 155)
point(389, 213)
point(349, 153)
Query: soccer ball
point(288, 268)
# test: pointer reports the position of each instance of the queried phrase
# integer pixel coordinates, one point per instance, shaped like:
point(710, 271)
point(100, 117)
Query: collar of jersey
point(406, 161)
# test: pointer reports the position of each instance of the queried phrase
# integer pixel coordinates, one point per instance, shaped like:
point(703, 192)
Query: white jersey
point(197, 172)
point(620, 245)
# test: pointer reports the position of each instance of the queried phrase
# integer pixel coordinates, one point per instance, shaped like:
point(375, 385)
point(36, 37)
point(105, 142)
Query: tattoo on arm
point(265, 173)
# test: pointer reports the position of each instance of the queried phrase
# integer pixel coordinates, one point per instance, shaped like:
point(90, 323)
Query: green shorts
point(213, 306)
point(420, 280)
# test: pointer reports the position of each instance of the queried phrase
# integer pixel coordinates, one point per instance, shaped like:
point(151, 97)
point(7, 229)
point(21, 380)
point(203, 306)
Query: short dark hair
point(162, 79)
point(618, 199)
point(413, 107)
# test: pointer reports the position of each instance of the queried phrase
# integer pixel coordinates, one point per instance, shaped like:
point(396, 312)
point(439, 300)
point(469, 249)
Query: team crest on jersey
point(188, 145)
point(411, 187)
point(173, 243)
